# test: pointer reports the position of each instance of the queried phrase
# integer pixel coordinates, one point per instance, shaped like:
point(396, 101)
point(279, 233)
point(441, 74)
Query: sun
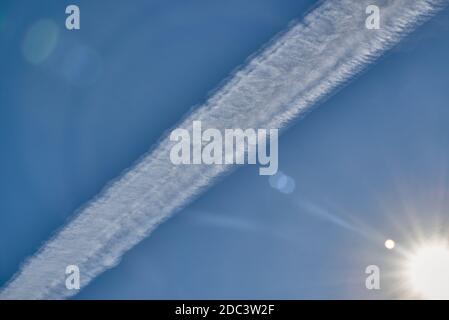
point(427, 271)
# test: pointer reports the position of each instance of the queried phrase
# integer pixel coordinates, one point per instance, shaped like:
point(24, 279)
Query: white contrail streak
point(298, 69)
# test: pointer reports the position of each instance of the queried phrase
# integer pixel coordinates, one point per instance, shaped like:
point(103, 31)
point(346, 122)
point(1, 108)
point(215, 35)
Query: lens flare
point(390, 244)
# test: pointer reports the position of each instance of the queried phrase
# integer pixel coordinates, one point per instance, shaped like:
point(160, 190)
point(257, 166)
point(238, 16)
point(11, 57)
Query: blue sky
point(376, 152)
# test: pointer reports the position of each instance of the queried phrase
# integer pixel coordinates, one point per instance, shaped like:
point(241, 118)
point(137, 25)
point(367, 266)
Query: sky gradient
point(374, 154)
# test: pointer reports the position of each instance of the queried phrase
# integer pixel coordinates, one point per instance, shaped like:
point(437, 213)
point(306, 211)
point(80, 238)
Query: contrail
point(283, 81)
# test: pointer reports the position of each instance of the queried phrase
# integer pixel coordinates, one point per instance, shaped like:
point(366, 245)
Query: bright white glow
point(390, 244)
point(428, 271)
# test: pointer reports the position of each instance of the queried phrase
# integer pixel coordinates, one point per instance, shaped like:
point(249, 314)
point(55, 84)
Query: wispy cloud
point(296, 70)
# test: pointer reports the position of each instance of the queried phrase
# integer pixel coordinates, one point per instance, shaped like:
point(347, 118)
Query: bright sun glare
point(428, 271)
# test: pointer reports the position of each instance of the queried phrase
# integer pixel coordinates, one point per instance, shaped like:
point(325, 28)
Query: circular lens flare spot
point(428, 271)
point(40, 41)
point(390, 244)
